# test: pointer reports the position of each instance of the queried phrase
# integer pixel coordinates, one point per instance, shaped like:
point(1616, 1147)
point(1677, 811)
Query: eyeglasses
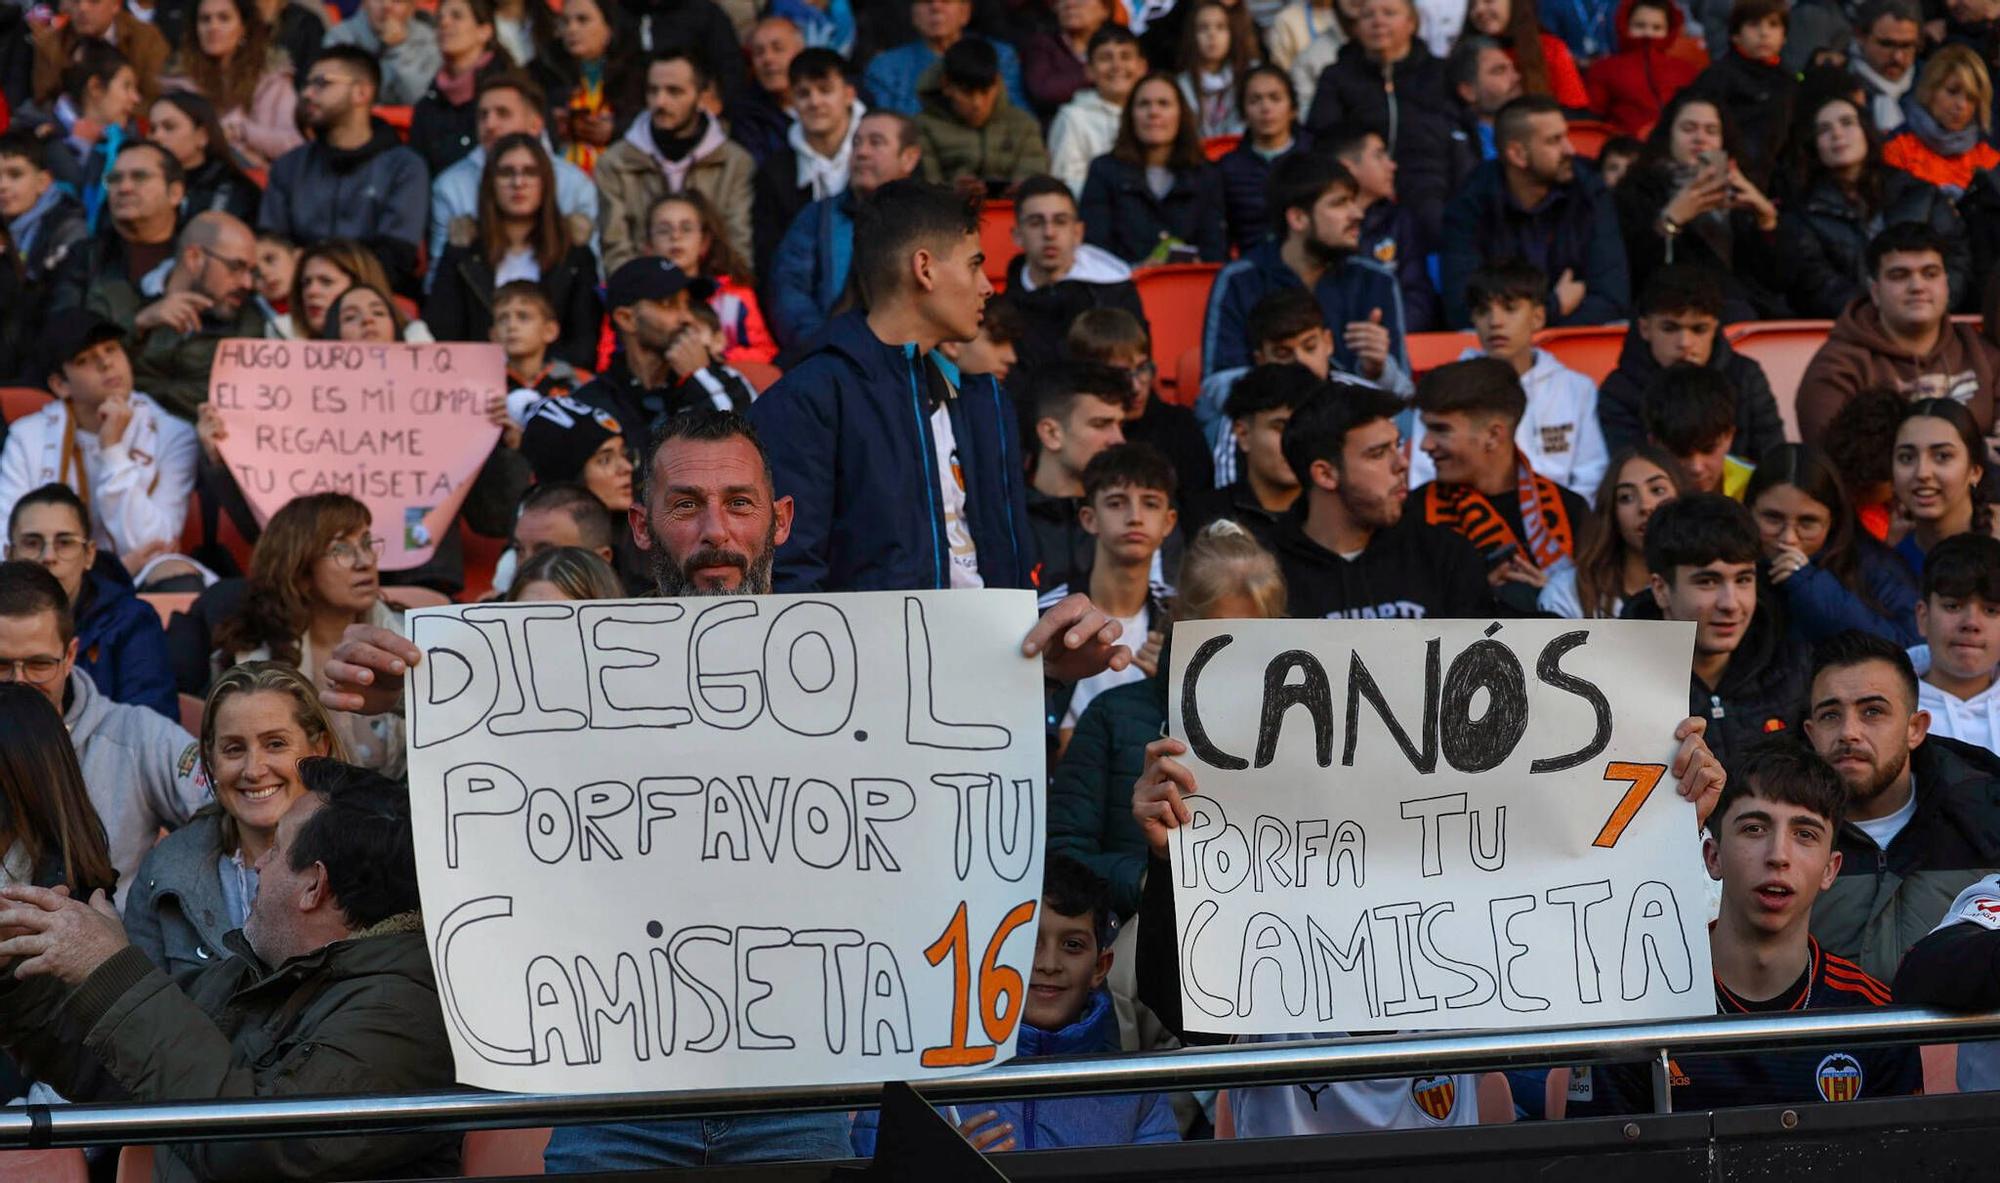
point(350, 554)
point(34, 546)
point(36, 671)
point(235, 267)
point(518, 174)
point(1142, 374)
point(323, 82)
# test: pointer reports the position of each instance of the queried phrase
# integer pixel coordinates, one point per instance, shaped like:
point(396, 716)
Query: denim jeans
point(697, 1142)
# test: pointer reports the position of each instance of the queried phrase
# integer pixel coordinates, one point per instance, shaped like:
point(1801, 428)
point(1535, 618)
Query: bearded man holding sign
point(709, 523)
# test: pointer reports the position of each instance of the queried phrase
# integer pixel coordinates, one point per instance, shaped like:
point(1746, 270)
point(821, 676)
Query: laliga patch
point(1838, 1077)
point(1385, 251)
point(1981, 909)
point(1581, 1087)
point(1434, 1095)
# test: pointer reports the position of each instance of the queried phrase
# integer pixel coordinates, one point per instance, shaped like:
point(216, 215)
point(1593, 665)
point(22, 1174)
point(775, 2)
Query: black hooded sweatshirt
point(1620, 398)
point(1410, 571)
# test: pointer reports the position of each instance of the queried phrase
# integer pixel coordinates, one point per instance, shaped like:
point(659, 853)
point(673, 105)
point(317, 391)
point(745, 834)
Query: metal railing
point(1192, 1068)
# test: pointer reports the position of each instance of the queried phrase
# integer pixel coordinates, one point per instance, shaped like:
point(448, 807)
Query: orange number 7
point(1642, 777)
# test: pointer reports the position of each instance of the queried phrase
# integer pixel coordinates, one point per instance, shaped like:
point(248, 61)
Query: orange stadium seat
point(1588, 136)
point(415, 597)
point(1784, 348)
point(192, 710)
point(1590, 350)
point(1187, 377)
point(492, 1154)
point(1175, 297)
point(996, 238)
point(398, 118)
point(1217, 147)
point(19, 401)
point(1428, 351)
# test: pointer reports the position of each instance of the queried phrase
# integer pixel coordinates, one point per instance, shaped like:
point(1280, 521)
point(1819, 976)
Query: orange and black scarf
point(1551, 536)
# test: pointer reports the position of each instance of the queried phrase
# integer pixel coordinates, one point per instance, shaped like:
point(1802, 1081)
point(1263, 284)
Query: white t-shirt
point(957, 534)
point(518, 264)
point(1096, 684)
point(1884, 829)
point(1352, 1106)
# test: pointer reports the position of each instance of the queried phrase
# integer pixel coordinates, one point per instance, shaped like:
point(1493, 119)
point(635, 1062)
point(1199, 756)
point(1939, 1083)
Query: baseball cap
point(68, 336)
point(649, 278)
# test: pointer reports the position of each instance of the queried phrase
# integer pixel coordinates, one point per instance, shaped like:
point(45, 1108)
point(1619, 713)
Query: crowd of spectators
point(734, 249)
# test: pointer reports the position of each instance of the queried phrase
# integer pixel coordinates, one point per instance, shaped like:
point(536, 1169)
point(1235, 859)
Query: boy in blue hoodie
point(1068, 1013)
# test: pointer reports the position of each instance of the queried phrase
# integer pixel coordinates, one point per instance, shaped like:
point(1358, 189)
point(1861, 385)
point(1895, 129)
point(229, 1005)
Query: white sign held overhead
point(737, 842)
point(1435, 824)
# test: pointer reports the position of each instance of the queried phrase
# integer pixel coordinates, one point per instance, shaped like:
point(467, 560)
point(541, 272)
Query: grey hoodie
point(142, 771)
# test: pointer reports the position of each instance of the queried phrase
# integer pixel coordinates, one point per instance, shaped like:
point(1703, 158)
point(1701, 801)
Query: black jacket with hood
point(1763, 687)
point(1886, 900)
point(378, 194)
point(1759, 428)
point(1823, 239)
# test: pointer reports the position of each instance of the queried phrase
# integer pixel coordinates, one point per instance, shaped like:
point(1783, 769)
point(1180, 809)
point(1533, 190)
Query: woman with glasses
point(685, 229)
point(519, 234)
point(120, 644)
point(262, 718)
point(314, 573)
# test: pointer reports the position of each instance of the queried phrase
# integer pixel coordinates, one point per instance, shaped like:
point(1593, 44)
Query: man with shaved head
point(180, 310)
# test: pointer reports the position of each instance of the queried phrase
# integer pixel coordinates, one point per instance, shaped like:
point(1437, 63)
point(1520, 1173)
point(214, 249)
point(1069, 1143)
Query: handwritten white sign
point(728, 842)
point(1434, 824)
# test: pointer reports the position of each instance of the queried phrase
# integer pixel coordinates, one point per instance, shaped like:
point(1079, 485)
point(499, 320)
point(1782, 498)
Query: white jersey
point(1978, 1063)
point(1352, 1106)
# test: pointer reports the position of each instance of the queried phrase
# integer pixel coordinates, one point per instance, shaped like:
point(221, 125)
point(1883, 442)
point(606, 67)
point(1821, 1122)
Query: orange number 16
point(995, 981)
point(1643, 778)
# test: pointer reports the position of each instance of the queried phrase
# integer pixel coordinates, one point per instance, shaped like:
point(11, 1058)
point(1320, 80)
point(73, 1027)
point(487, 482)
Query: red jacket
point(1565, 84)
point(1631, 86)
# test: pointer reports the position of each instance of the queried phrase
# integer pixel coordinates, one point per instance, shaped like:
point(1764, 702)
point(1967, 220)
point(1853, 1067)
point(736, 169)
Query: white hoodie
point(138, 489)
point(1083, 130)
point(1092, 264)
point(827, 175)
point(1974, 720)
point(1559, 434)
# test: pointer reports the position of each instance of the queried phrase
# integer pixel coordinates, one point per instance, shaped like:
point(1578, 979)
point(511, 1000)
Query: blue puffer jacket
point(1246, 184)
point(809, 271)
point(1346, 293)
point(1818, 605)
point(121, 645)
point(1064, 1121)
point(849, 434)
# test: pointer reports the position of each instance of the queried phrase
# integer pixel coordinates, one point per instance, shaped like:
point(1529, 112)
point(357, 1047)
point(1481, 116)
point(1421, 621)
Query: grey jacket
point(407, 70)
point(174, 910)
point(143, 772)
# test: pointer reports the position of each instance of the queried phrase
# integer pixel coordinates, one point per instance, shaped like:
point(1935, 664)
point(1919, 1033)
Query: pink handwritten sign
point(401, 428)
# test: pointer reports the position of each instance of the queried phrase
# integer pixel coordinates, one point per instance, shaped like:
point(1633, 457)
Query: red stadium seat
point(1784, 348)
point(1175, 297)
point(19, 401)
point(492, 1154)
point(192, 710)
point(760, 374)
point(482, 555)
point(1588, 136)
point(1428, 351)
point(996, 238)
point(398, 118)
point(1590, 350)
point(43, 1166)
point(1217, 147)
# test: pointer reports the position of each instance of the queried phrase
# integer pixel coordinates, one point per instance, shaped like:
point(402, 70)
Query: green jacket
point(169, 365)
point(1008, 148)
point(1884, 901)
point(1090, 799)
point(360, 1015)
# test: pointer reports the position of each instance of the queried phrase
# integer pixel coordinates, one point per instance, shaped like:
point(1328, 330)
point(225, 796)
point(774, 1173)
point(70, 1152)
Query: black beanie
point(562, 435)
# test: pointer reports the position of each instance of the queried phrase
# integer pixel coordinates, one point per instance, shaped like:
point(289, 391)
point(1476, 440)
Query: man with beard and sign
point(709, 524)
point(1923, 811)
point(1771, 843)
point(1316, 203)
